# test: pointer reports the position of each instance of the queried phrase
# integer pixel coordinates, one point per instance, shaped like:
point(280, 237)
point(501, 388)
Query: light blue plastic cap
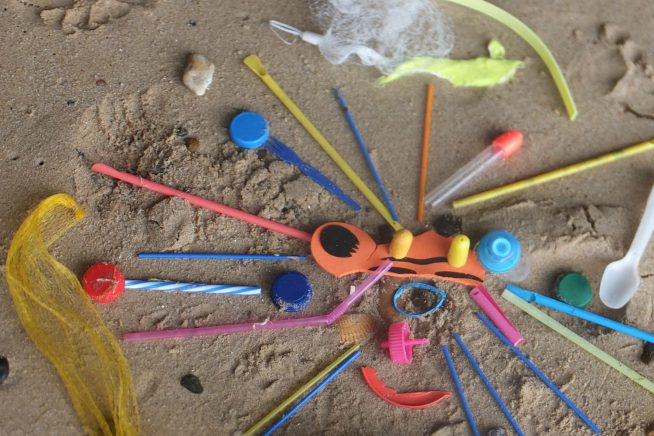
point(499, 251)
point(249, 130)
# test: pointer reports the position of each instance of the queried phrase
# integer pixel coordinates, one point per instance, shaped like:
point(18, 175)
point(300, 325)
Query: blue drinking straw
point(223, 256)
point(311, 394)
point(364, 151)
point(533, 297)
point(459, 389)
point(489, 386)
point(538, 372)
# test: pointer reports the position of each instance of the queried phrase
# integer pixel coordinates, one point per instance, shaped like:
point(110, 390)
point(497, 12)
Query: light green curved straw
point(532, 39)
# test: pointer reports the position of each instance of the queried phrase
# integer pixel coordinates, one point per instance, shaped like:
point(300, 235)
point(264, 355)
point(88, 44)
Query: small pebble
point(4, 369)
point(193, 144)
point(499, 431)
point(448, 225)
point(648, 353)
point(198, 74)
point(192, 383)
point(181, 132)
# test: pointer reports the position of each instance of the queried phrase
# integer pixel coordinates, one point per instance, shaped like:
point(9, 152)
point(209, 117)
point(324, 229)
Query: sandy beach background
point(85, 81)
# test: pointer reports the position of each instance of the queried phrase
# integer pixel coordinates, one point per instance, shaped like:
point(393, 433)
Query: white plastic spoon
point(621, 278)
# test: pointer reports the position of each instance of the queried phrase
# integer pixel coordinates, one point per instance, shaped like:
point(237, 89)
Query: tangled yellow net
point(64, 324)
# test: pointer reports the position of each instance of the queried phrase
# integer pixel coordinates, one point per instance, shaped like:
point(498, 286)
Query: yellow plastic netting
point(65, 325)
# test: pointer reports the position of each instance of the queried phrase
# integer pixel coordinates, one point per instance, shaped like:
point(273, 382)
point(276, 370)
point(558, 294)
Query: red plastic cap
point(508, 143)
point(104, 282)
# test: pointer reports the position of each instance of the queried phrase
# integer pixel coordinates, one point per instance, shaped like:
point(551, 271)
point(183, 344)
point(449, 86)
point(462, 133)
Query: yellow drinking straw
point(579, 341)
point(263, 421)
point(555, 174)
point(254, 63)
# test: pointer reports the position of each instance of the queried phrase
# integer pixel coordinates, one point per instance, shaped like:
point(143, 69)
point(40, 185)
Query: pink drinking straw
point(482, 297)
point(313, 321)
point(201, 202)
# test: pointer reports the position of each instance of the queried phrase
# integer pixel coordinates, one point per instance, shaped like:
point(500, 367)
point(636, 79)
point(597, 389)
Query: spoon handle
point(645, 229)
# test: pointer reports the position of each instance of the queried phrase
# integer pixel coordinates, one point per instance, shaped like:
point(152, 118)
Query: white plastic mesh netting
point(382, 33)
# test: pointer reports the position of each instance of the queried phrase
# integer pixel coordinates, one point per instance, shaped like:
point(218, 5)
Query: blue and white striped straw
point(199, 288)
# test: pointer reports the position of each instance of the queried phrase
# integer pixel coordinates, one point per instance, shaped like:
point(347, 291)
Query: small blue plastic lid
point(499, 251)
point(291, 291)
point(249, 130)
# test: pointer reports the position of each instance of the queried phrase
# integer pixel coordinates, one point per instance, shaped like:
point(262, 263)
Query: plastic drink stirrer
point(502, 148)
point(621, 279)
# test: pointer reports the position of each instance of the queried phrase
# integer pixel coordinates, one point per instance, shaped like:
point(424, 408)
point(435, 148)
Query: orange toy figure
point(342, 249)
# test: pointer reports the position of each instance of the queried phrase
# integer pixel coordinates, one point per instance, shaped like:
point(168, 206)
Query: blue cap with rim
point(249, 130)
point(291, 291)
point(499, 251)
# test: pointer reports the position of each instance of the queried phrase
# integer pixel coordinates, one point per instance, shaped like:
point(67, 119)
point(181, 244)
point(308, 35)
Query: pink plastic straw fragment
point(314, 321)
point(493, 311)
point(201, 202)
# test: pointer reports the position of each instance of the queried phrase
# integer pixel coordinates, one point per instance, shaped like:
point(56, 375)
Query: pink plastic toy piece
point(488, 305)
point(400, 347)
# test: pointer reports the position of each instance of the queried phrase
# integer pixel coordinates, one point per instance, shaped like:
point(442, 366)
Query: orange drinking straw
point(425, 151)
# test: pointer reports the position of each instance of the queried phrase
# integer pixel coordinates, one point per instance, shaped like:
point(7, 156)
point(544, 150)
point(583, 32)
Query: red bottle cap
point(104, 282)
point(508, 143)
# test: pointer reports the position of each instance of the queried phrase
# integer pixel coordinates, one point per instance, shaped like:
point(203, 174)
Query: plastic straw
point(314, 321)
point(459, 389)
point(538, 373)
point(312, 394)
point(559, 306)
point(489, 385)
point(219, 256)
point(554, 175)
point(329, 368)
point(253, 62)
point(199, 288)
point(364, 151)
point(201, 202)
point(579, 341)
point(426, 133)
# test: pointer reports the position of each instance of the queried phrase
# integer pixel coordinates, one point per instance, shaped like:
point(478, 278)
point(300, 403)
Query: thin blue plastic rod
point(222, 256)
point(489, 386)
point(538, 372)
point(364, 151)
point(311, 394)
point(459, 389)
point(285, 153)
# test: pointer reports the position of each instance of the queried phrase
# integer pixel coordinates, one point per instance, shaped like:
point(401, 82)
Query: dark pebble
point(648, 353)
point(4, 369)
point(192, 383)
point(448, 225)
point(181, 132)
point(499, 431)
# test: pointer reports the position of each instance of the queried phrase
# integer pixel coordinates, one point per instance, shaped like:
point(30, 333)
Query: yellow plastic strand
point(582, 343)
point(64, 324)
point(530, 38)
point(254, 63)
point(308, 385)
point(554, 174)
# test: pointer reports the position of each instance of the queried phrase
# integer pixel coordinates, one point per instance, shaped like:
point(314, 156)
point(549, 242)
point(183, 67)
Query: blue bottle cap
point(249, 130)
point(499, 251)
point(291, 291)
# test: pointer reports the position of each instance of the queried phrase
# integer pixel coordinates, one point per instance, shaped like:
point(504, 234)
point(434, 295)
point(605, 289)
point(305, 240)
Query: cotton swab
point(312, 394)
point(201, 202)
point(459, 390)
point(364, 151)
point(489, 385)
point(582, 343)
point(219, 256)
point(314, 321)
point(554, 175)
point(538, 373)
point(305, 387)
point(253, 62)
point(426, 133)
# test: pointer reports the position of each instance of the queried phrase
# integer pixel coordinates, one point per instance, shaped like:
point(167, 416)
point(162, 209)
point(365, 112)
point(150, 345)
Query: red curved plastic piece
point(408, 400)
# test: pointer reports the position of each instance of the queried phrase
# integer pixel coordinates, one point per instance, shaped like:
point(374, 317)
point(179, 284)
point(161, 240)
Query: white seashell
point(198, 74)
